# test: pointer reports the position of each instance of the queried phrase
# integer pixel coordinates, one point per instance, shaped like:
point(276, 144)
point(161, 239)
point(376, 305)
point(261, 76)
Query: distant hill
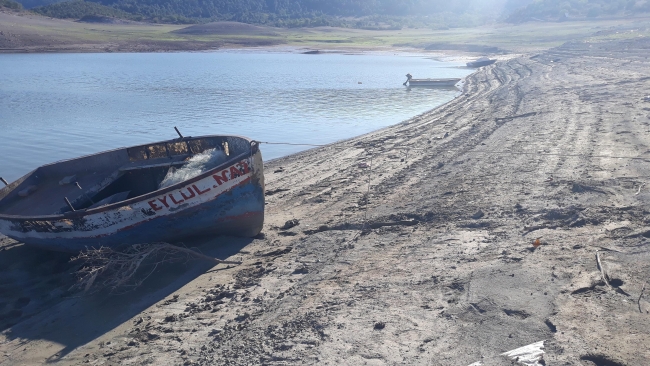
point(10, 4)
point(368, 14)
point(512, 6)
point(28, 4)
point(558, 10)
point(287, 13)
point(84, 10)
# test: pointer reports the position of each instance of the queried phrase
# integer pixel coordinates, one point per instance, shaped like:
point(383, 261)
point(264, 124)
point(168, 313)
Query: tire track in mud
point(470, 130)
point(416, 132)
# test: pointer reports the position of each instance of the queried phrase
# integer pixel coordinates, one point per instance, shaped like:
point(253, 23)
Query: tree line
point(576, 9)
point(353, 13)
point(10, 4)
point(284, 13)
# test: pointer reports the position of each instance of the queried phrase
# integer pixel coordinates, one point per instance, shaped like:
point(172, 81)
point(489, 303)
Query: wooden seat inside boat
point(155, 163)
point(47, 197)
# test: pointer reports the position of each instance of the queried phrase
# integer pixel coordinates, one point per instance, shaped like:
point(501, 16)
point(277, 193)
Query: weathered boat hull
point(228, 199)
point(432, 83)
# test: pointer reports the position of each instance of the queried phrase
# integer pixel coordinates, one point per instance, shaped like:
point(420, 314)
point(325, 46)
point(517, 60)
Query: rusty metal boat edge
point(227, 199)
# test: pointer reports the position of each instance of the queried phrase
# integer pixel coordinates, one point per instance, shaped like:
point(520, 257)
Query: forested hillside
point(78, 9)
point(206, 8)
point(10, 4)
point(351, 13)
point(577, 9)
point(287, 12)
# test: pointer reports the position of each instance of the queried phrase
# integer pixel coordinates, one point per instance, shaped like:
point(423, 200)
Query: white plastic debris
point(477, 363)
point(529, 355)
point(197, 165)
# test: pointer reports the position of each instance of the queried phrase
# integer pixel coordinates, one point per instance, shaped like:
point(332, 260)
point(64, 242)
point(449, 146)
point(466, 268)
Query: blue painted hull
point(239, 213)
point(226, 200)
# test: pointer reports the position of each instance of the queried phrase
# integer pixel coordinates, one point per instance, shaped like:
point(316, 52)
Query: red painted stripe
point(243, 182)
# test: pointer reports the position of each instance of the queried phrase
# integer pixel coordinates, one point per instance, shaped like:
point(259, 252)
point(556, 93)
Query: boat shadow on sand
point(37, 305)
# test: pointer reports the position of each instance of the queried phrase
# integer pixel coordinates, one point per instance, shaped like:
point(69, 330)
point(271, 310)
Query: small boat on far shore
point(449, 82)
point(483, 61)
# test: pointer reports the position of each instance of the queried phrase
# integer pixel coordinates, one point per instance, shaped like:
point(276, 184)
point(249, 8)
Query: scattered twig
point(638, 301)
point(610, 250)
point(530, 229)
point(602, 271)
point(639, 190)
point(105, 268)
point(516, 116)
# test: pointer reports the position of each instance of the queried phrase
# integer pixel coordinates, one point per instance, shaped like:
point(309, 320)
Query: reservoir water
point(60, 106)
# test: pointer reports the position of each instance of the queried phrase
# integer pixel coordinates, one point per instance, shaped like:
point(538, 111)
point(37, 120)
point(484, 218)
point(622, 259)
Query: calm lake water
point(59, 106)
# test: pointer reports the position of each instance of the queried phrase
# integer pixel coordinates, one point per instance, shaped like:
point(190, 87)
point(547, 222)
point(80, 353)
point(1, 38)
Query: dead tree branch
point(638, 301)
point(105, 268)
point(639, 190)
point(602, 270)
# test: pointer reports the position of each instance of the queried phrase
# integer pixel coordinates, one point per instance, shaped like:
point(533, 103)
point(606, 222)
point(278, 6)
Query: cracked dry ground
point(433, 262)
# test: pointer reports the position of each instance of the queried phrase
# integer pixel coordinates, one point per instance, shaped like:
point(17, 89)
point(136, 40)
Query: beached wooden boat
point(433, 82)
point(117, 198)
point(483, 61)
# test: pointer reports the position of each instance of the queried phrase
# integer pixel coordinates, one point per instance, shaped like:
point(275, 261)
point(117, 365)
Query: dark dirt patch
point(377, 225)
point(458, 286)
point(301, 270)
point(588, 290)
point(276, 252)
point(250, 276)
point(600, 360)
point(550, 325)
point(275, 191)
point(516, 313)
point(144, 336)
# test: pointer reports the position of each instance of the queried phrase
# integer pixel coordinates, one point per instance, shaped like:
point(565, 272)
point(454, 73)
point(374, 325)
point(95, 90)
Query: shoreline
point(348, 140)
point(447, 239)
point(440, 56)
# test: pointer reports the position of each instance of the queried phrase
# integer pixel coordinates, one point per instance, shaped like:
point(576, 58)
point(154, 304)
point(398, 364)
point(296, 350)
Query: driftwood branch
point(108, 269)
point(602, 270)
point(638, 301)
point(639, 190)
point(530, 229)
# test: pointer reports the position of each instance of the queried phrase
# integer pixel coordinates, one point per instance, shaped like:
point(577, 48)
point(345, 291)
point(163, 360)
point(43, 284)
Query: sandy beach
point(448, 239)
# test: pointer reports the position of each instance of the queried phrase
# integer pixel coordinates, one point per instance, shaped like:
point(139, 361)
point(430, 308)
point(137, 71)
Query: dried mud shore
point(415, 244)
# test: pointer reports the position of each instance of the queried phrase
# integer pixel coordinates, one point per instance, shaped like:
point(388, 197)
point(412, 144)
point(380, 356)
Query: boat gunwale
point(86, 212)
point(435, 79)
